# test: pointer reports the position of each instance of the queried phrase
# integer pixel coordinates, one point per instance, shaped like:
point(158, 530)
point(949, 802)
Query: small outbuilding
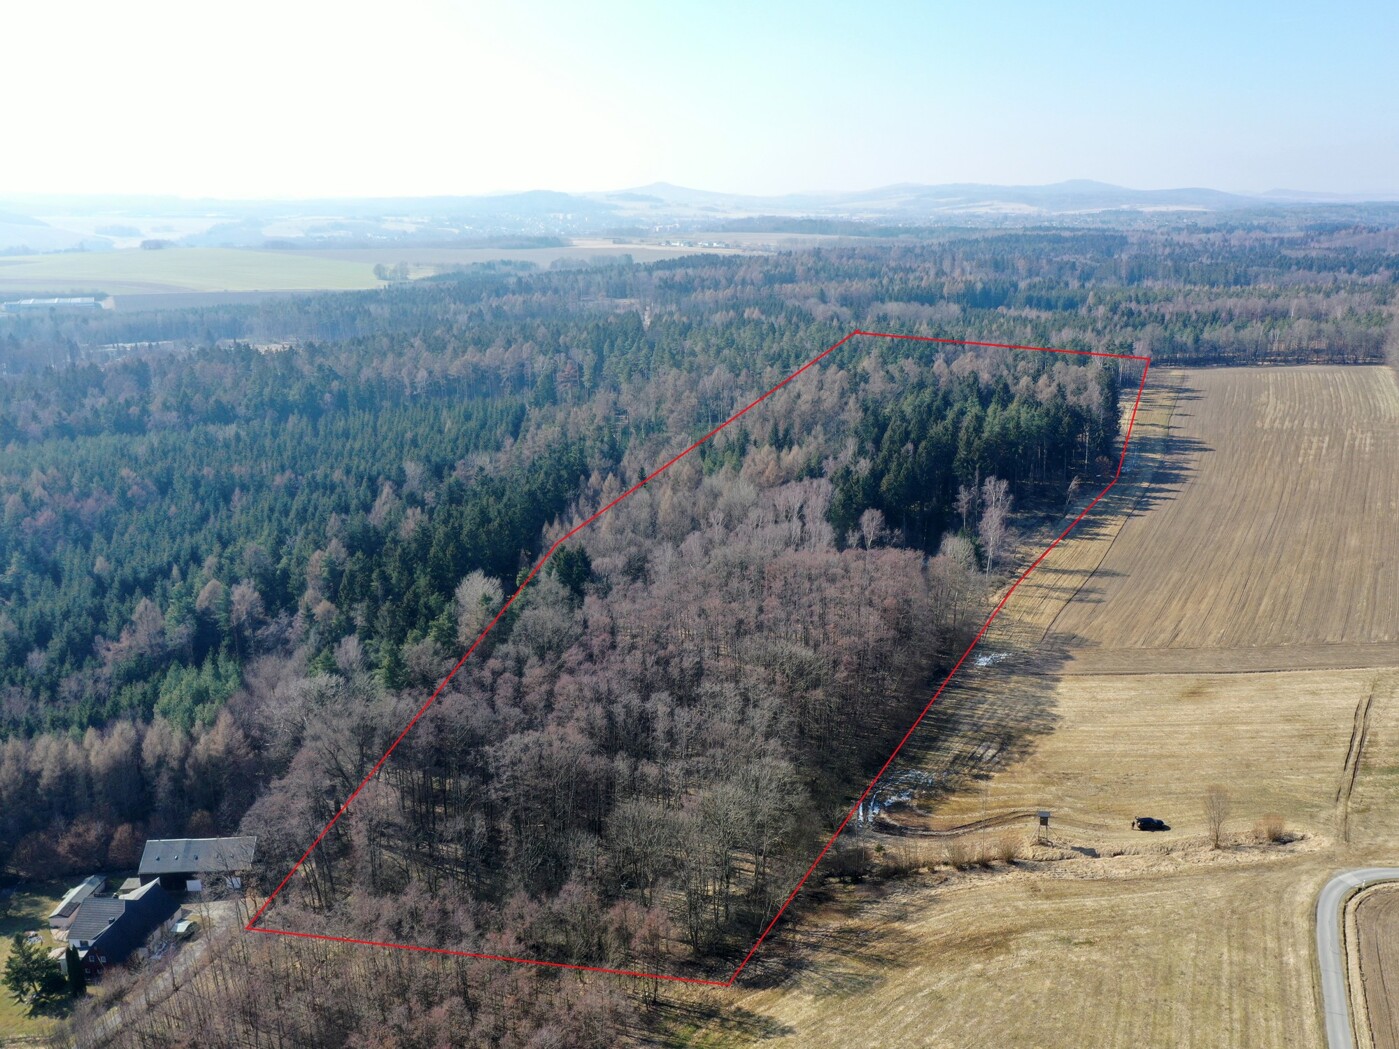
point(62, 915)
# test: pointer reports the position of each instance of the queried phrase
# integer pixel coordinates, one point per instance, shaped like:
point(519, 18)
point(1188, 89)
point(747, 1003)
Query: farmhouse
point(62, 915)
point(178, 862)
point(105, 930)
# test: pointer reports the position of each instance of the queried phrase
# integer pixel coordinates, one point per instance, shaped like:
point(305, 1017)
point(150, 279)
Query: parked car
point(1149, 823)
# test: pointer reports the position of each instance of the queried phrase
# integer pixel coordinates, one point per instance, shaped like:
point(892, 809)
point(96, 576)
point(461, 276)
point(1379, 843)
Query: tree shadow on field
point(1176, 460)
point(684, 1020)
point(845, 957)
point(1088, 594)
point(1163, 462)
point(991, 717)
point(988, 718)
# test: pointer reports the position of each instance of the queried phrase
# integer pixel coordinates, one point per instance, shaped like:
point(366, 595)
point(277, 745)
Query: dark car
point(1149, 823)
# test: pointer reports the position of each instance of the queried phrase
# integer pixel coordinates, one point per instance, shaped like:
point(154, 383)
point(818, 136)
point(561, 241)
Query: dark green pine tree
point(31, 976)
point(393, 672)
point(77, 979)
point(572, 567)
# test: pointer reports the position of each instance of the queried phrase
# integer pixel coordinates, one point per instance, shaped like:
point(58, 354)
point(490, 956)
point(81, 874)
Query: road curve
point(1331, 952)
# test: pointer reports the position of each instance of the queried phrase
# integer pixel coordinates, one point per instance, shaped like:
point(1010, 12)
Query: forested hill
point(167, 517)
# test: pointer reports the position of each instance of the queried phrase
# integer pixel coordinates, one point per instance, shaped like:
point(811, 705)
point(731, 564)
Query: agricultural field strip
point(1273, 470)
point(180, 269)
point(134, 271)
point(1041, 598)
point(1281, 658)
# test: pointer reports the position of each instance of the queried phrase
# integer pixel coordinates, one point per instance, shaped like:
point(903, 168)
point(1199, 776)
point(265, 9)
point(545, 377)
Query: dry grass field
point(1125, 951)
point(1228, 618)
point(1150, 745)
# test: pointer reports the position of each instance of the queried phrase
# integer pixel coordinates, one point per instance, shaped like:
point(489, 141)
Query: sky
point(305, 98)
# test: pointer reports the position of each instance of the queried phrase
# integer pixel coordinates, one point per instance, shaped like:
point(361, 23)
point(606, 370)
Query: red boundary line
point(252, 925)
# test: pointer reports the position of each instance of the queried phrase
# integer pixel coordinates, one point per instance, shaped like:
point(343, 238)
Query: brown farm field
point(1377, 920)
point(1228, 617)
point(1281, 531)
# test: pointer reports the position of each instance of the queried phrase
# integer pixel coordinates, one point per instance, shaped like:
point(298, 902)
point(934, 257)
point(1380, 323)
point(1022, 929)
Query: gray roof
point(95, 917)
point(194, 855)
point(74, 896)
point(116, 926)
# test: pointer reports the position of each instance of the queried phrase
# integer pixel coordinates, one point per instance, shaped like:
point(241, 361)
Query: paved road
point(1330, 950)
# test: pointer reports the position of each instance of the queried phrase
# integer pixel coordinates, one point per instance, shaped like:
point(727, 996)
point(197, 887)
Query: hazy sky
point(309, 98)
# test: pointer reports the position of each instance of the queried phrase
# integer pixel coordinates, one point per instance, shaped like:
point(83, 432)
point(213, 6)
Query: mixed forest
point(233, 572)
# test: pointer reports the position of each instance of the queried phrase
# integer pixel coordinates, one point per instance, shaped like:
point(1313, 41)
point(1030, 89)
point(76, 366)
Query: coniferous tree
point(77, 978)
point(31, 976)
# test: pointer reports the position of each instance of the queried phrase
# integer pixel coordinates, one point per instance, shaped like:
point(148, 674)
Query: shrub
point(1006, 848)
point(1270, 829)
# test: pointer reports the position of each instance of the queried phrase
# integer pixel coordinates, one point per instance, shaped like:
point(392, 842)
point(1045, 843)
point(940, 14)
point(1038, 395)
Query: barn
point(179, 863)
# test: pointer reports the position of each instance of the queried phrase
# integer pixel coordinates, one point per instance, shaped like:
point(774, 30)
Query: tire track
point(1351, 766)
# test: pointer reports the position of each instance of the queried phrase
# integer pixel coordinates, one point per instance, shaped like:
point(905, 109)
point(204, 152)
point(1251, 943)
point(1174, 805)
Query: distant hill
point(912, 202)
point(51, 223)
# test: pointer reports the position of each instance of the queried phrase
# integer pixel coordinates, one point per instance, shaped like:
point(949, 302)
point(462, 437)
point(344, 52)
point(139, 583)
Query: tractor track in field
point(1351, 767)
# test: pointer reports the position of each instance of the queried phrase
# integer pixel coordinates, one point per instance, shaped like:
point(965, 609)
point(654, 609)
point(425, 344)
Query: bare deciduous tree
point(995, 518)
point(478, 598)
point(872, 528)
point(966, 505)
point(1216, 812)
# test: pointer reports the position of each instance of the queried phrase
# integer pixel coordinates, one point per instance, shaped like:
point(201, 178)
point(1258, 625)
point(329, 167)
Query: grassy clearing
point(1151, 745)
point(182, 269)
point(29, 910)
point(1186, 949)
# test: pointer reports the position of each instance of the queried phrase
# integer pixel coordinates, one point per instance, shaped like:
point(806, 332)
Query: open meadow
point(1227, 619)
point(137, 272)
point(28, 912)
